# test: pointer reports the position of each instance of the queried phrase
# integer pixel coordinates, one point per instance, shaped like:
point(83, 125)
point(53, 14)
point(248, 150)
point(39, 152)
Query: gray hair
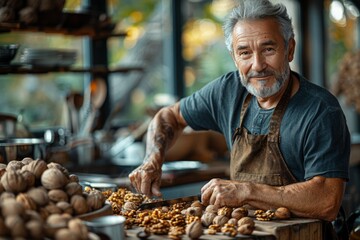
point(257, 9)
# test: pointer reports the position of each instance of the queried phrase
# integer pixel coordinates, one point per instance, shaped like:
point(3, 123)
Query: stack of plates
point(48, 57)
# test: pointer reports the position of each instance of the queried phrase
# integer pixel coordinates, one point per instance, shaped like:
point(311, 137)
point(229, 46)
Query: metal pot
point(19, 148)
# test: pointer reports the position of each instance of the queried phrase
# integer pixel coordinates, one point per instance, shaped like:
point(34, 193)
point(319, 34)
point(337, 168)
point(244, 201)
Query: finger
point(145, 184)
point(205, 196)
point(155, 189)
point(206, 186)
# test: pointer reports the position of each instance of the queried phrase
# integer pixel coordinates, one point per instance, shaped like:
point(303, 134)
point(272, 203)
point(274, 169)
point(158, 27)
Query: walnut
point(95, 200)
point(128, 206)
point(232, 221)
point(15, 165)
point(73, 178)
point(73, 188)
point(65, 207)
point(16, 225)
point(239, 213)
point(226, 211)
point(14, 182)
point(79, 204)
point(65, 234)
point(211, 208)
point(35, 229)
point(39, 195)
point(194, 211)
point(60, 167)
point(26, 201)
point(33, 215)
point(37, 167)
point(4, 230)
point(2, 169)
point(194, 230)
point(245, 229)
point(220, 220)
point(27, 160)
point(246, 220)
point(53, 178)
point(197, 204)
point(77, 227)
point(10, 207)
point(6, 195)
point(282, 213)
point(51, 208)
point(57, 220)
point(57, 195)
point(29, 178)
point(207, 218)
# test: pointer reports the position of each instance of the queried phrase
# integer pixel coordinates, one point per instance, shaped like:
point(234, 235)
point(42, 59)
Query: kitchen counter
point(119, 174)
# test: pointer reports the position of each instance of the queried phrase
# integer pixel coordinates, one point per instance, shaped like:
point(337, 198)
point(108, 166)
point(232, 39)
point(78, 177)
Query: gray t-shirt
point(315, 140)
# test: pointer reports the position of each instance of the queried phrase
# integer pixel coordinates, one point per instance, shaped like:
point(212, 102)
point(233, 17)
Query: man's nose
point(259, 63)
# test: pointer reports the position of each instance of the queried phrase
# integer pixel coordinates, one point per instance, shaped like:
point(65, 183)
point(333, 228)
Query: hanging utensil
point(98, 93)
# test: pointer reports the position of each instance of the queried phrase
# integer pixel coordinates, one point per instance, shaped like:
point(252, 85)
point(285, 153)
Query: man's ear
point(291, 49)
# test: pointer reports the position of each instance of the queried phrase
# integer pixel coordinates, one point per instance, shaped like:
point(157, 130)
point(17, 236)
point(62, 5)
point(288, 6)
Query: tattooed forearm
point(162, 132)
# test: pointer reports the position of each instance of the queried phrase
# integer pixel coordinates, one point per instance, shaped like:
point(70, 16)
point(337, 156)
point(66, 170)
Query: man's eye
point(269, 50)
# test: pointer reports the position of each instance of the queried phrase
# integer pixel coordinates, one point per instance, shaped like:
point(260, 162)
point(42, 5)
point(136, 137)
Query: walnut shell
point(73, 188)
point(14, 164)
point(128, 206)
point(245, 229)
point(37, 167)
point(73, 178)
point(77, 227)
point(27, 160)
point(57, 195)
point(6, 195)
point(65, 234)
point(26, 201)
point(232, 221)
point(95, 200)
point(39, 195)
point(239, 213)
point(4, 230)
point(29, 178)
point(282, 213)
point(194, 230)
point(60, 167)
point(51, 208)
point(207, 218)
point(194, 211)
point(220, 220)
point(33, 215)
point(16, 225)
point(35, 229)
point(53, 178)
point(65, 207)
point(14, 182)
point(197, 204)
point(211, 208)
point(79, 204)
point(246, 220)
point(57, 220)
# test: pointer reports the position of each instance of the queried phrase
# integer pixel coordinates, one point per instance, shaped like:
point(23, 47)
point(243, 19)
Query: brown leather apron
point(257, 158)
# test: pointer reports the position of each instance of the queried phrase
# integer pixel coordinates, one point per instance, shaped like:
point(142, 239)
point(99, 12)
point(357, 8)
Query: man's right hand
point(146, 179)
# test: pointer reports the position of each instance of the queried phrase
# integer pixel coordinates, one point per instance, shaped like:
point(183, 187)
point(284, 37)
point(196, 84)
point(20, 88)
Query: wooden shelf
point(75, 24)
point(28, 69)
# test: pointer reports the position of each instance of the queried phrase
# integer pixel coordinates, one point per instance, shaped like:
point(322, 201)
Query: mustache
point(260, 74)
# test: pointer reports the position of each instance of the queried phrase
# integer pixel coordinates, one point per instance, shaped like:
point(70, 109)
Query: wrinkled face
point(260, 54)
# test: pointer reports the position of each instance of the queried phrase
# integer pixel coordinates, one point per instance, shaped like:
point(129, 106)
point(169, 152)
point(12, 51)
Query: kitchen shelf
point(28, 69)
point(75, 24)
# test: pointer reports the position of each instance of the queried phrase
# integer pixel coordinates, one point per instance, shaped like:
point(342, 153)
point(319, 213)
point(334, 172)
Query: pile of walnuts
point(192, 219)
point(41, 200)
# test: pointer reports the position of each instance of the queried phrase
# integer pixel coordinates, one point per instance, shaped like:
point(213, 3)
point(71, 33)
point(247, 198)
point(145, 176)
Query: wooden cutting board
point(293, 229)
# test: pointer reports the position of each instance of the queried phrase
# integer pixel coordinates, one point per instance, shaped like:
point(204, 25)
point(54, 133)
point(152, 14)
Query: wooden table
point(292, 229)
